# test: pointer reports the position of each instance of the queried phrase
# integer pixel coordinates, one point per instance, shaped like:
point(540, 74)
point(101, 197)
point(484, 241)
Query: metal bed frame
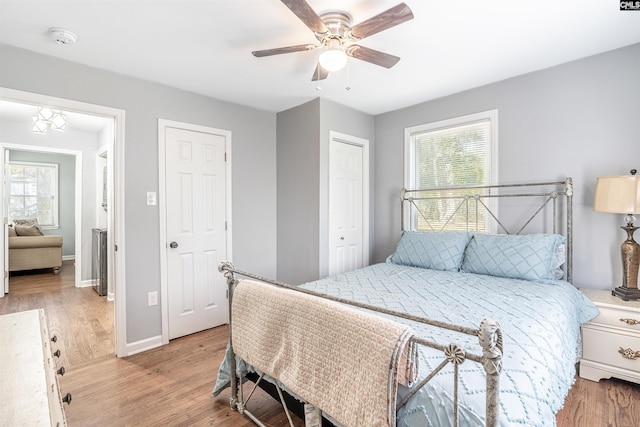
point(469, 201)
point(489, 332)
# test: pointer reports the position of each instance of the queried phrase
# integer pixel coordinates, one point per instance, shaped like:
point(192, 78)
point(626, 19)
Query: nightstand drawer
point(603, 346)
point(618, 317)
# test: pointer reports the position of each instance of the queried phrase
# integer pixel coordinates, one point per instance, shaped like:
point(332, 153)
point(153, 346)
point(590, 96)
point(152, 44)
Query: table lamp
point(621, 195)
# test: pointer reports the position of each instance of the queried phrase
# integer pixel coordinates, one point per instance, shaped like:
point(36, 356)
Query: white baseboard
point(142, 345)
point(87, 283)
point(68, 257)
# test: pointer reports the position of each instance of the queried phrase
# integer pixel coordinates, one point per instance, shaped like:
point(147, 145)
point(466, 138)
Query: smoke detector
point(62, 36)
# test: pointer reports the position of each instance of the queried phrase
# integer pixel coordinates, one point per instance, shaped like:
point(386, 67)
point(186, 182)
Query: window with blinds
point(33, 191)
point(455, 152)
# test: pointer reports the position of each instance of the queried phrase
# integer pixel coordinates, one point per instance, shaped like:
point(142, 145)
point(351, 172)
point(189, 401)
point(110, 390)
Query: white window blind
point(453, 156)
point(453, 152)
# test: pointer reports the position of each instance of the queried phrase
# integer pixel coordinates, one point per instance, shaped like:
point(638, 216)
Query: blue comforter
point(541, 329)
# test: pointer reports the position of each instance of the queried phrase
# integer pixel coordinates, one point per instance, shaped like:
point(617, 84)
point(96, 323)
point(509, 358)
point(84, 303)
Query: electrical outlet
point(152, 298)
point(151, 198)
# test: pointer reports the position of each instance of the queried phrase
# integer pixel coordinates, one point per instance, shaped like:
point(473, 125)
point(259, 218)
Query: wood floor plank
point(171, 385)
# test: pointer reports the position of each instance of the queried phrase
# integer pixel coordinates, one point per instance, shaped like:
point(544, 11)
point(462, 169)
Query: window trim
point(55, 185)
point(409, 152)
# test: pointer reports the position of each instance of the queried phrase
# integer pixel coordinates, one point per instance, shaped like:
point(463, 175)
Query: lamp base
point(626, 293)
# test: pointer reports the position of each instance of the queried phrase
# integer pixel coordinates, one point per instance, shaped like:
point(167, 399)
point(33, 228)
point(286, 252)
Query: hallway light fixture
point(48, 119)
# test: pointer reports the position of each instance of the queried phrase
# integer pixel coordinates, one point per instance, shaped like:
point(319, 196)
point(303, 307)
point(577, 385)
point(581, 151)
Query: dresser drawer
point(603, 346)
point(618, 317)
point(29, 391)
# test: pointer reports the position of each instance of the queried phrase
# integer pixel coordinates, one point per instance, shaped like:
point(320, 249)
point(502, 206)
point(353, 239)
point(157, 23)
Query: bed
point(487, 320)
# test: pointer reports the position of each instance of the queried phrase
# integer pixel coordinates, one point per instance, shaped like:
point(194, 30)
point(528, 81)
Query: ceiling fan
point(335, 33)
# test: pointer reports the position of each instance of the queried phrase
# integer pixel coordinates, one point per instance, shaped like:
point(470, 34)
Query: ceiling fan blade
point(281, 50)
point(373, 56)
point(319, 74)
point(307, 15)
point(387, 19)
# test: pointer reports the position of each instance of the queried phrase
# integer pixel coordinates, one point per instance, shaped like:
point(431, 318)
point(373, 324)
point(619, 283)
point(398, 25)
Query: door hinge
point(225, 226)
point(225, 156)
point(115, 248)
point(227, 292)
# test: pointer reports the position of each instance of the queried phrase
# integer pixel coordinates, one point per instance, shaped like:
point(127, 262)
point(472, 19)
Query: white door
point(195, 230)
point(346, 211)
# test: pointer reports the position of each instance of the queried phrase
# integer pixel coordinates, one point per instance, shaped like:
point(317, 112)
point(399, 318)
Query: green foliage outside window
point(455, 156)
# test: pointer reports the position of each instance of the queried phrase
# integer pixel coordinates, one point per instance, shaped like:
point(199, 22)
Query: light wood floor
point(171, 385)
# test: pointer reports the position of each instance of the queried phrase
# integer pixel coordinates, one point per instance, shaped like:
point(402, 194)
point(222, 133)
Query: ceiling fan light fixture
point(334, 58)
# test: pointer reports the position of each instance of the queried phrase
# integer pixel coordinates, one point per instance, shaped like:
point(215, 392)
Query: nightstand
point(611, 341)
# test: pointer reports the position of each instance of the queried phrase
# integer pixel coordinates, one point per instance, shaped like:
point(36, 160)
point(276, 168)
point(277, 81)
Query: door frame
point(325, 246)
point(116, 257)
point(163, 124)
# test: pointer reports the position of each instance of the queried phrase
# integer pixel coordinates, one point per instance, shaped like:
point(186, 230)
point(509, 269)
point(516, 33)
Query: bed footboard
point(489, 335)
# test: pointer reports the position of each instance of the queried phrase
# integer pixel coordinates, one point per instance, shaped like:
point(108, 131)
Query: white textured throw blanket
point(330, 355)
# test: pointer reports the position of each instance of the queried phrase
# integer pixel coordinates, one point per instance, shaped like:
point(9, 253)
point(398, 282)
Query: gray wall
point(298, 198)
point(303, 151)
point(66, 193)
point(253, 165)
point(580, 119)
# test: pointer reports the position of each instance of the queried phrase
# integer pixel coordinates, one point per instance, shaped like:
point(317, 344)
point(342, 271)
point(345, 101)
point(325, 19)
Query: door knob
point(173, 245)
point(341, 237)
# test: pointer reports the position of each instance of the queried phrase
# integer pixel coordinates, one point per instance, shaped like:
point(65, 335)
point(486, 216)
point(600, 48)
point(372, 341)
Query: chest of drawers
point(29, 390)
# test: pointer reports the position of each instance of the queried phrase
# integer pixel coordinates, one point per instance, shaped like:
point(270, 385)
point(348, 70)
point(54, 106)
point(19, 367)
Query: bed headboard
point(541, 207)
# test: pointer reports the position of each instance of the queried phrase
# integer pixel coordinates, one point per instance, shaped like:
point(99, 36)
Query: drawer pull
point(67, 399)
point(629, 353)
point(631, 321)
point(54, 338)
point(61, 371)
point(57, 353)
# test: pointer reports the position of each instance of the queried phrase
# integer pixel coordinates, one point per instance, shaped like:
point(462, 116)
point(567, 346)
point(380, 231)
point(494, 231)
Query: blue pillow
point(528, 257)
point(437, 250)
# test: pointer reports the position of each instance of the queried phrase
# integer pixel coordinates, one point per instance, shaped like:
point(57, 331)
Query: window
point(457, 152)
point(33, 192)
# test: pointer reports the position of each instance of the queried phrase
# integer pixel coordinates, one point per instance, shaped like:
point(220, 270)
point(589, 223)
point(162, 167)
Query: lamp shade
point(618, 194)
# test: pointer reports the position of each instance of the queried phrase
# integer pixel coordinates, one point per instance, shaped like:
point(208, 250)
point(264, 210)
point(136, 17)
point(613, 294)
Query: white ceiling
point(205, 46)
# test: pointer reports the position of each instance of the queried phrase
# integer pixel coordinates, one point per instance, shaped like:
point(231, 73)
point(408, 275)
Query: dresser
point(611, 341)
point(29, 390)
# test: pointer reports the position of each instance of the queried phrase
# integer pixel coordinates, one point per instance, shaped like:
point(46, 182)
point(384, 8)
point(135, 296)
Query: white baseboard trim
point(142, 345)
point(68, 257)
point(87, 283)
